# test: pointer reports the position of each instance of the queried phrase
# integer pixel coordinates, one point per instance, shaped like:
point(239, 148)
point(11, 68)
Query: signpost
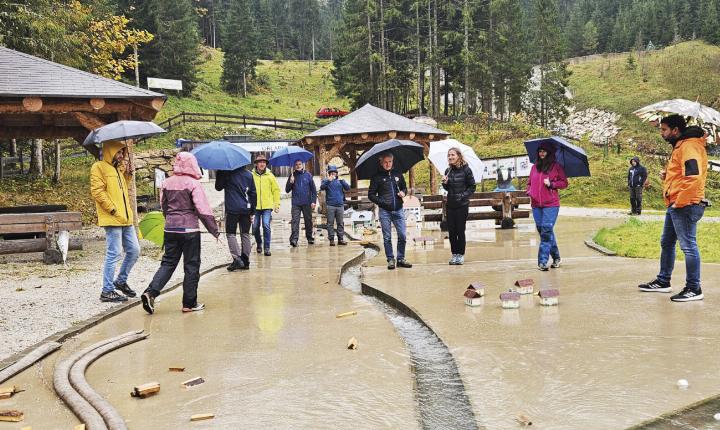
point(166, 84)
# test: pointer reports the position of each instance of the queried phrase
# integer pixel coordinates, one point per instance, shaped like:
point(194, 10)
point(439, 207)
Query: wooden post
point(411, 180)
point(132, 186)
point(56, 178)
point(433, 180)
point(323, 161)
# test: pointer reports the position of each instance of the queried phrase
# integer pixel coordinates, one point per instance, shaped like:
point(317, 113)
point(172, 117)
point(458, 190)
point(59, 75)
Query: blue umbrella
point(221, 155)
point(573, 158)
point(122, 130)
point(289, 155)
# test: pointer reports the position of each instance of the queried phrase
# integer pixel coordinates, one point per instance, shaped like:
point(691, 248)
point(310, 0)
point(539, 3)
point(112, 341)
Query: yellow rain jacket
point(108, 188)
point(686, 171)
point(268, 191)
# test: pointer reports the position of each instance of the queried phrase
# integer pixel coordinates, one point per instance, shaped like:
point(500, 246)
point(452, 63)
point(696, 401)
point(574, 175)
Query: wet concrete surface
point(608, 357)
point(269, 347)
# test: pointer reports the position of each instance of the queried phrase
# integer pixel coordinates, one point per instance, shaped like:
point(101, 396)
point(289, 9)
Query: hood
point(692, 132)
point(550, 149)
point(637, 160)
point(186, 164)
point(110, 148)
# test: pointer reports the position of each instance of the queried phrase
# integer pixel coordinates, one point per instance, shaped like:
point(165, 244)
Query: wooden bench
point(46, 224)
point(504, 206)
point(357, 198)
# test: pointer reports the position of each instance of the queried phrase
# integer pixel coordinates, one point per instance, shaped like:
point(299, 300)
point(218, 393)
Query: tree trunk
point(369, 53)
point(466, 46)
point(420, 92)
point(383, 84)
point(436, 65)
point(244, 85)
point(432, 111)
point(447, 91)
point(36, 158)
point(56, 176)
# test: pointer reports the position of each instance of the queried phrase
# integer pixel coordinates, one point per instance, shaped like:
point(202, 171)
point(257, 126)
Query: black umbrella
point(406, 154)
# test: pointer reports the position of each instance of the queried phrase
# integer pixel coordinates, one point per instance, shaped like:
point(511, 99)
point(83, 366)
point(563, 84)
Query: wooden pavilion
point(40, 99)
point(351, 135)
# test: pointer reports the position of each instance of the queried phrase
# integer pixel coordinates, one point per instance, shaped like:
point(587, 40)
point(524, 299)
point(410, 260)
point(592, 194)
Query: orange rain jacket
point(686, 171)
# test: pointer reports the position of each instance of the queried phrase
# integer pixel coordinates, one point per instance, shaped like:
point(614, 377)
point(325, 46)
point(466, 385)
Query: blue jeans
point(118, 239)
point(681, 224)
point(544, 222)
point(387, 220)
point(264, 216)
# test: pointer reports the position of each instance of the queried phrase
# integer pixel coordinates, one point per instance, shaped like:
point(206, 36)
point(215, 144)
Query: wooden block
point(194, 381)
point(352, 343)
point(8, 391)
point(177, 369)
point(11, 416)
point(79, 427)
point(201, 417)
point(145, 390)
point(346, 314)
point(26, 428)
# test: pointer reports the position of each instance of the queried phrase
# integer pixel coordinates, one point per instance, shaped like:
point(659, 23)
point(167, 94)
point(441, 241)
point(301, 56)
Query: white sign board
point(261, 146)
point(520, 166)
point(159, 178)
point(167, 84)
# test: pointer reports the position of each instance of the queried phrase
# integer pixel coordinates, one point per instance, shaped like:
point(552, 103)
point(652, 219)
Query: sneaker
point(555, 264)
point(233, 266)
point(125, 289)
point(342, 243)
point(112, 296)
point(655, 286)
point(197, 307)
point(543, 267)
point(453, 260)
point(293, 244)
point(268, 253)
point(258, 250)
point(404, 263)
point(688, 295)
point(460, 260)
point(148, 303)
point(391, 264)
point(332, 243)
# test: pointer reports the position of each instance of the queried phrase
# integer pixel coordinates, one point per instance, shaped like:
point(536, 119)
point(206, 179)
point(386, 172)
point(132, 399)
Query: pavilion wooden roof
point(45, 100)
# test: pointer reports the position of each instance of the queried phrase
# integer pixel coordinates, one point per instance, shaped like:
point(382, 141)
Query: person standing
point(268, 200)
point(108, 187)
point(335, 201)
point(240, 202)
point(304, 196)
point(684, 193)
point(387, 190)
point(183, 202)
point(459, 183)
point(637, 175)
point(547, 176)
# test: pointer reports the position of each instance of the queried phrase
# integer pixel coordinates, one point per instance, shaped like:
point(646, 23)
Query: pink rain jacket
point(542, 196)
point(183, 199)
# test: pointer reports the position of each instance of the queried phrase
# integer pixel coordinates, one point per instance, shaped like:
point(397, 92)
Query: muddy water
point(439, 391)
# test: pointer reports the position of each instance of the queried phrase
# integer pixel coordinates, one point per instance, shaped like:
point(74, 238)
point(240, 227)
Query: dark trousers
point(187, 246)
point(231, 224)
point(636, 199)
point(456, 221)
point(306, 212)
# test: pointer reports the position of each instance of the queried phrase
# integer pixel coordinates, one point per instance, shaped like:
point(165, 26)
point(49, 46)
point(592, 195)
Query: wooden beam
point(42, 132)
point(155, 104)
point(97, 104)
point(79, 105)
point(32, 104)
point(88, 120)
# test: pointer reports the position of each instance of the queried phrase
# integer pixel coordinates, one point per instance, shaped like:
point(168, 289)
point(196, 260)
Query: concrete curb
point(601, 249)
point(62, 336)
point(707, 407)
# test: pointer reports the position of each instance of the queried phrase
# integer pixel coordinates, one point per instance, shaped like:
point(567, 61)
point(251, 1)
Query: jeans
point(335, 214)
point(544, 222)
point(387, 220)
point(636, 199)
point(456, 221)
point(231, 224)
point(187, 246)
point(118, 239)
point(306, 211)
point(681, 224)
point(264, 216)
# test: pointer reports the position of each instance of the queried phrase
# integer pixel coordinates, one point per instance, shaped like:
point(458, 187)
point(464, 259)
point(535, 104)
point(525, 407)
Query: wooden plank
point(37, 227)
point(145, 390)
point(11, 416)
point(20, 246)
point(201, 417)
point(476, 216)
point(39, 217)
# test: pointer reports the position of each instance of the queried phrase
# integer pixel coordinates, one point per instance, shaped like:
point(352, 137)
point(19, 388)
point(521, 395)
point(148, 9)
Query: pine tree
point(711, 22)
point(241, 47)
point(590, 38)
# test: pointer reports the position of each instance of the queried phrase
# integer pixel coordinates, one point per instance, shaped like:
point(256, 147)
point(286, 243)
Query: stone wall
point(147, 162)
point(600, 126)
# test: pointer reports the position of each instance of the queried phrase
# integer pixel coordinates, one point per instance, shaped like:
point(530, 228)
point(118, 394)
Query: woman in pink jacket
point(546, 178)
point(183, 203)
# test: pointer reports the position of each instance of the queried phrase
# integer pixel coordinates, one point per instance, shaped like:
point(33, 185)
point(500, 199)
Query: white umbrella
point(438, 157)
point(700, 114)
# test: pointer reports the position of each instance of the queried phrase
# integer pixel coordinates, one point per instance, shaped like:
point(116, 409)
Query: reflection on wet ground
point(608, 357)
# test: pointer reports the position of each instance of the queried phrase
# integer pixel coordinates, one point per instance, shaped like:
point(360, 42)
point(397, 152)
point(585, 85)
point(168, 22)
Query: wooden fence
point(244, 120)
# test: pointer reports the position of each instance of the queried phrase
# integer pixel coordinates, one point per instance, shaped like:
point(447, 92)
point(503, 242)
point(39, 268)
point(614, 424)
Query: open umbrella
point(152, 227)
point(122, 130)
point(694, 111)
point(406, 154)
point(289, 155)
point(221, 155)
point(438, 156)
point(573, 158)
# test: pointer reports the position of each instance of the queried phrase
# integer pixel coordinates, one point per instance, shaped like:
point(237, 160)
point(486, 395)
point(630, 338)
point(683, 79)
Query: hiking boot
point(460, 260)
point(112, 296)
point(656, 286)
point(342, 242)
point(555, 264)
point(197, 307)
point(267, 253)
point(404, 263)
point(543, 267)
point(125, 289)
point(391, 264)
point(258, 250)
point(311, 241)
point(688, 295)
point(293, 244)
point(332, 243)
point(148, 303)
point(233, 266)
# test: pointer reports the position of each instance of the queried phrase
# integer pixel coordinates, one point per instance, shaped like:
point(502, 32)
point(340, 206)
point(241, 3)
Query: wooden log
point(177, 369)
point(97, 104)
point(201, 417)
point(11, 416)
point(22, 246)
point(145, 390)
point(7, 392)
point(32, 104)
